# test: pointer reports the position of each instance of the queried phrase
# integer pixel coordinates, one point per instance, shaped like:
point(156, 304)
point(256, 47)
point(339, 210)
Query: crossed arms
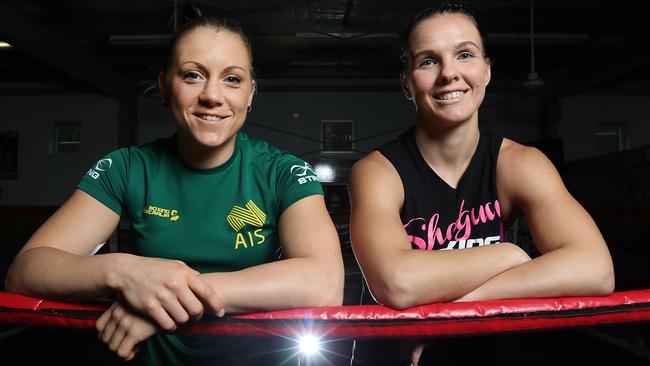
point(574, 261)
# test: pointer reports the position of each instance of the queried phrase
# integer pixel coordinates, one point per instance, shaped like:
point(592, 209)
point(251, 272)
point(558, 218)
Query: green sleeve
point(106, 180)
point(296, 179)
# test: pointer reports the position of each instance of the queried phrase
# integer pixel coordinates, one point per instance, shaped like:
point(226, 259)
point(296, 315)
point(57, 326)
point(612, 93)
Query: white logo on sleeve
point(305, 173)
point(101, 166)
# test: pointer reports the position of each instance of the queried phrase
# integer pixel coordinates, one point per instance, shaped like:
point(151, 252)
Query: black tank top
point(437, 216)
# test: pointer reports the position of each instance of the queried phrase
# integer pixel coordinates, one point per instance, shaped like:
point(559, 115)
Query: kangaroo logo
point(251, 215)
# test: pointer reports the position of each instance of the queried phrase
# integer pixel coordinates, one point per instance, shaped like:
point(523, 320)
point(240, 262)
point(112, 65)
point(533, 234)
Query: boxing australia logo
point(165, 213)
point(101, 166)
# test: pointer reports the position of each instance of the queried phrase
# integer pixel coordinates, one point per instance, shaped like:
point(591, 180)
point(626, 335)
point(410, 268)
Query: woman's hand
point(168, 291)
point(122, 330)
point(410, 350)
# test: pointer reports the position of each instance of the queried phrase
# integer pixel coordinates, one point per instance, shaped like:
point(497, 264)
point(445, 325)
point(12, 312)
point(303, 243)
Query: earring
point(248, 109)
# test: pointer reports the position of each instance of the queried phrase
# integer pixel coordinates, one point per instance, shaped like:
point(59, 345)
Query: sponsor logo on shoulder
point(101, 166)
point(304, 172)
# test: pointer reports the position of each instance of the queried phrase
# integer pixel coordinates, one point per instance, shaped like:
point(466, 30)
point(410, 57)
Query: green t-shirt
point(215, 220)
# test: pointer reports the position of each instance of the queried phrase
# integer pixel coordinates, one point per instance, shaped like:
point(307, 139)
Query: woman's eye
point(465, 56)
point(191, 75)
point(427, 62)
point(233, 79)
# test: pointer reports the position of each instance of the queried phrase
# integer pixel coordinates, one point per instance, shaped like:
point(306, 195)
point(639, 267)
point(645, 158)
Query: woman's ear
point(489, 71)
point(253, 91)
point(405, 86)
point(162, 86)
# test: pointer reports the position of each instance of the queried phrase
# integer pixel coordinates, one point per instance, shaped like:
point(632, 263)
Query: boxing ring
point(368, 321)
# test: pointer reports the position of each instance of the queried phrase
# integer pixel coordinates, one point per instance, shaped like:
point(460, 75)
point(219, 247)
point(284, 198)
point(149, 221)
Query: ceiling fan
point(533, 80)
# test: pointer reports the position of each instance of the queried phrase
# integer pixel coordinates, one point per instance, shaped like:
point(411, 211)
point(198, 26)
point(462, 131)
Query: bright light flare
point(325, 172)
point(309, 345)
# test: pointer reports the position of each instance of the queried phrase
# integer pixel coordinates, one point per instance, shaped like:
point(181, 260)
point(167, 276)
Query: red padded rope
point(370, 321)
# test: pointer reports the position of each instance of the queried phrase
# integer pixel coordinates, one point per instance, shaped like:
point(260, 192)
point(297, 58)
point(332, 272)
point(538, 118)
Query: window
point(337, 135)
point(610, 137)
point(66, 137)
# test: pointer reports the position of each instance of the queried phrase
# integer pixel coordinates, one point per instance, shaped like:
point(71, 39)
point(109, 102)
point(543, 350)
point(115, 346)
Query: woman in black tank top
point(446, 185)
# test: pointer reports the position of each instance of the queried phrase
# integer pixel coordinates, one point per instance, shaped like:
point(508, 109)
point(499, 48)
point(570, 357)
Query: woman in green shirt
point(210, 208)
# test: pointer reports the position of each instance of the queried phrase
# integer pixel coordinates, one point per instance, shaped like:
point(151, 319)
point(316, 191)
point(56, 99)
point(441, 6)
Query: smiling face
point(209, 87)
point(447, 71)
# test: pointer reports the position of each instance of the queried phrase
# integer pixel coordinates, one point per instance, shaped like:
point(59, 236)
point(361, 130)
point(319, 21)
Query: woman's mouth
point(210, 117)
point(449, 95)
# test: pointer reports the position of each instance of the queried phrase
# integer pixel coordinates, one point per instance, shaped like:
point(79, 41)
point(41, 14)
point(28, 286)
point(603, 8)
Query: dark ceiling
point(110, 46)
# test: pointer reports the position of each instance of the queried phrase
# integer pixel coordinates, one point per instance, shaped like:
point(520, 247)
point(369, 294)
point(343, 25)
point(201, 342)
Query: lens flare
point(309, 345)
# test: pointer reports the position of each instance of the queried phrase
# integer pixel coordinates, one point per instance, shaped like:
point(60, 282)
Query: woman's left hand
point(410, 350)
point(122, 330)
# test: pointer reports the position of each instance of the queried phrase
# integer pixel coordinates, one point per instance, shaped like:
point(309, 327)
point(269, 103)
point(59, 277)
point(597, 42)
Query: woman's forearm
point(290, 283)
point(423, 277)
point(54, 273)
point(563, 272)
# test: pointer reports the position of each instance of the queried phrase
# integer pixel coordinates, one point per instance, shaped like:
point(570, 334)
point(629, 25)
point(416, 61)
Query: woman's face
point(210, 87)
point(447, 72)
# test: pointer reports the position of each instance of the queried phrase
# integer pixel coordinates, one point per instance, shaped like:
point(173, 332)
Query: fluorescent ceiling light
point(346, 35)
point(569, 38)
point(139, 39)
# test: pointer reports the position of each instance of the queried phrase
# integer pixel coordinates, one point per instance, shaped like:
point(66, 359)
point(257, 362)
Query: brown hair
point(193, 19)
point(434, 10)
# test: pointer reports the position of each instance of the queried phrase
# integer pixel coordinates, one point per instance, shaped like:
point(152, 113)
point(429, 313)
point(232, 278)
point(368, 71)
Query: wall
point(153, 120)
point(580, 114)
point(514, 115)
point(374, 116)
point(45, 179)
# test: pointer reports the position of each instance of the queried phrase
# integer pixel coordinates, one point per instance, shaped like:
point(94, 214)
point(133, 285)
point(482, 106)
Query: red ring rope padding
point(370, 321)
